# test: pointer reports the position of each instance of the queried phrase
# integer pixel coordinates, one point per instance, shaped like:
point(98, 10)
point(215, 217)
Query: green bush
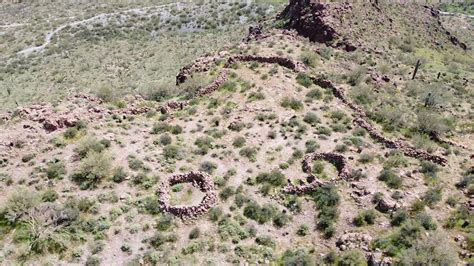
point(17, 204)
point(434, 249)
point(208, 167)
point(195, 233)
point(315, 94)
point(311, 118)
point(365, 217)
point(70, 133)
point(238, 142)
point(302, 230)
point(215, 213)
point(49, 195)
point(327, 200)
point(55, 169)
point(250, 153)
point(352, 257)
point(164, 222)
point(433, 196)
point(172, 152)
point(399, 217)
point(165, 139)
point(91, 145)
point(275, 178)
point(309, 58)
point(390, 178)
point(304, 80)
point(290, 102)
point(261, 214)
point(297, 257)
point(204, 144)
point(93, 169)
point(119, 174)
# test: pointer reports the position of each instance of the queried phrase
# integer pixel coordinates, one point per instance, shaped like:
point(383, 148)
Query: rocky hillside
point(335, 134)
point(369, 25)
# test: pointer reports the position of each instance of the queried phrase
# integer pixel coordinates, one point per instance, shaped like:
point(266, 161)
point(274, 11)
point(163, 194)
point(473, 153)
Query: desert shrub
point(395, 159)
point(172, 152)
point(304, 80)
point(215, 213)
point(366, 158)
point(119, 174)
point(93, 261)
point(250, 153)
point(164, 222)
point(429, 169)
point(226, 193)
point(204, 144)
point(238, 142)
point(430, 122)
point(365, 217)
point(311, 118)
point(91, 145)
point(195, 232)
point(93, 169)
point(433, 196)
point(311, 146)
point(165, 139)
point(390, 178)
point(231, 230)
point(352, 257)
point(55, 169)
point(327, 200)
point(309, 58)
point(49, 195)
point(362, 94)
point(275, 178)
point(237, 126)
point(208, 167)
point(399, 217)
point(302, 230)
point(265, 241)
point(459, 218)
point(314, 94)
point(256, 96)
point(297, 257)
point(106, 93)
point(159, 239)
point(403, 238)
point(17, 204)
point(70, 133)
point(341, 148)
point(356, 75)
point(426, 221)
point(135, 163)
point(162, 127)
point(280, 219)
point(434, 249)
point(290, 102)
point(261, 214)
point(229, 86)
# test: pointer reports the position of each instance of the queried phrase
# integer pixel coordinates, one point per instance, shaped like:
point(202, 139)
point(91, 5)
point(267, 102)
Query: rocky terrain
point(332, 133)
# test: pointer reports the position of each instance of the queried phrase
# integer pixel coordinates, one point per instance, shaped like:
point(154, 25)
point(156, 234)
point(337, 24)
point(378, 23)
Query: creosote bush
point(92, 170)
point(292, 103)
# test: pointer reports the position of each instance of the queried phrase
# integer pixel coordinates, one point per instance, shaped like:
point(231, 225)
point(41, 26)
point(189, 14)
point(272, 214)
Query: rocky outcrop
point(354, 240)
point(255, 33)
point(198, 179)
point(316, 20)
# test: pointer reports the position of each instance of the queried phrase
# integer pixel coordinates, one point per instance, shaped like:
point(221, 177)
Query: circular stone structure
point(337, 160)
point(200, 180)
